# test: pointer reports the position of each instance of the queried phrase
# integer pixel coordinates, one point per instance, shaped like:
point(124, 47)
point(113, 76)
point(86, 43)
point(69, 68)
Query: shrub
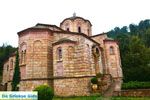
point(99, 75)
point(94, 80)
point(44, 92)
point(136, 85)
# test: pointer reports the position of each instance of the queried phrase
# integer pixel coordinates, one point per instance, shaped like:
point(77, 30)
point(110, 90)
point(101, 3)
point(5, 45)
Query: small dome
point(77, 24)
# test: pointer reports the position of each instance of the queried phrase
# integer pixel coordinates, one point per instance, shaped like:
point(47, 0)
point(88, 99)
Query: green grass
point(100, 98)
point(136, 85)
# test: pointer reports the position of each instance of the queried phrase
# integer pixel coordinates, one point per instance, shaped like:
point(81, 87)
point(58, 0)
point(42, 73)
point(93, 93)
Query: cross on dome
point(74, 14)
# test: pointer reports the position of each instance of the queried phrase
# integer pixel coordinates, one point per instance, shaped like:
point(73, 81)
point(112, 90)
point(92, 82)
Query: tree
point(16, 76)
point(144, 24)
point(135, 60)
point(124, 29)
point(133, 28)
point(146, 37)
point(5, 51)
point(117, 29)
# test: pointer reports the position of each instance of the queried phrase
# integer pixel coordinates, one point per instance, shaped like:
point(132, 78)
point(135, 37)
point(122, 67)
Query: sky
point(16, 15)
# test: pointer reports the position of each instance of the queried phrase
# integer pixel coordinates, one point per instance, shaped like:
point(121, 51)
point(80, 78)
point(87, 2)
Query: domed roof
point(74, 17)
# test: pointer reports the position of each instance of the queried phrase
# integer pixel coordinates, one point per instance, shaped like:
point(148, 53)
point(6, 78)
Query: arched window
point(111, 50)
point(79, 29)
point(23, 47)
point(97, 51)
point(59, 53)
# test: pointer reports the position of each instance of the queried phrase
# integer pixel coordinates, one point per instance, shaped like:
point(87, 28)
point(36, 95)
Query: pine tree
point(16, 76)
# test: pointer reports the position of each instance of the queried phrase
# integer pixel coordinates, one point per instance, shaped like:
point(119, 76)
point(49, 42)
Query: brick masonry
point(72, 86)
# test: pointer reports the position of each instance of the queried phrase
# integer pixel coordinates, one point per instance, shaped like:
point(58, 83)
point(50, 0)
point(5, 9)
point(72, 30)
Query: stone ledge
point(133, 93)
point(52, 78)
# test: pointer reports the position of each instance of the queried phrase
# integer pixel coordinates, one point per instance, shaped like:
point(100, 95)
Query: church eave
point(33, 29)
point(99, 34)
point(48, 25)
point(76, 33)
point(109, 40)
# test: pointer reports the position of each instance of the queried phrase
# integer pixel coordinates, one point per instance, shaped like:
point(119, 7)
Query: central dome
point(77, 24)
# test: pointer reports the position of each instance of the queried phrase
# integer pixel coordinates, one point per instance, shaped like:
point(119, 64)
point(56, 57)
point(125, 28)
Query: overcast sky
point(16, 15)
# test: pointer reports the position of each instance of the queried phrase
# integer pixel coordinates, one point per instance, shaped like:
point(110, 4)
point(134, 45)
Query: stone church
point(65, 57)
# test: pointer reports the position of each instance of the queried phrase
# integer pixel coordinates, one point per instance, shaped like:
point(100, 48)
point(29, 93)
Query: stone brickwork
point(100, 38)
point(8, 69)
point(29, 85)
point(38, 49)
point(64, 57)
point(111, 55)
point(72, 86)
point(81, 63)
point(113, 58)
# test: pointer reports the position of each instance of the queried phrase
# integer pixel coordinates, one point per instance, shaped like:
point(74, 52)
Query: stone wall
point(75, 72)
point(100, 39)
point(8, 69)
point(133, 93)
point(81, 63)
point(113, 62)
point(5, 72)
point(29, 85)
point(77, 86)
point(38, 46)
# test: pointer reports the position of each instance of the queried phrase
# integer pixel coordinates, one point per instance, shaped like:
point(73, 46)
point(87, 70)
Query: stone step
point(110, 90)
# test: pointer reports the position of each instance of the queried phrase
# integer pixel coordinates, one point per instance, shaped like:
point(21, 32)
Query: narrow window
point(111, 50)
point(11, 66)
point(88, 31)
point(97, 51)
point(21, 57)
point(59, 53)
point(68, 29)
point(7, 67)
point(24, 57)
point(79, 29)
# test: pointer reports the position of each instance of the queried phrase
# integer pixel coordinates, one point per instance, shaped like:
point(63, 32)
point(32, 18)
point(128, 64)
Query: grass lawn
point(101, 98)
